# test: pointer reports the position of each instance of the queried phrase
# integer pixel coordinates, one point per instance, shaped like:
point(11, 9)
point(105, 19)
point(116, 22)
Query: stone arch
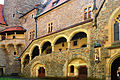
point(115, 13)
point(35, 52)
point(60, 43)
point(79, 37)
point(34, 68)
point(22, 45)
point(77, 31)
point(26, 59)
point(109, 64)
point(57, 37)
point(46, 48)
point(42, 43)
point(32, 48)
point(23, 57)
point(87, 64)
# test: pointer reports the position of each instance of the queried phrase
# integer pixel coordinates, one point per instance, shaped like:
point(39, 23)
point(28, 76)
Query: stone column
point(6, 35)
point(40, 53)
point(15, 34)
point(15, 49)
point(53, 48)
point(24, 34)
point(22, 66)
point(75, 71)
point(30, 57)
point(68, 45)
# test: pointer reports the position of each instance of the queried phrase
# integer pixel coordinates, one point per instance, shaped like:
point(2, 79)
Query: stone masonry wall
point(101, 34)
point(55, 62)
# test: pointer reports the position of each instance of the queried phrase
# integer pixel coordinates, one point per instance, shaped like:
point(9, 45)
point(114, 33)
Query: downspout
point(36, 27)
point(36, 9)
point(96, 13)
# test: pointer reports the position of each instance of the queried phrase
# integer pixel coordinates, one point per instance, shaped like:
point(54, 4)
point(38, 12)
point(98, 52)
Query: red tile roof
point(17, 28)
point(1, 15)
point(51, 5)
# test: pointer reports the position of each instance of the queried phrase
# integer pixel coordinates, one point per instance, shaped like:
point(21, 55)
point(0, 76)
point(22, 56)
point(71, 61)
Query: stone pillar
point(30, 57)
point(68, 45)
point(7, 49)
point(0, 37)
point(15, 49)
point(6, 35)
point(75, 71)
point(53, 48)
point(40, 53)
point(22, 65)
point(15, 34)
point(24, 34)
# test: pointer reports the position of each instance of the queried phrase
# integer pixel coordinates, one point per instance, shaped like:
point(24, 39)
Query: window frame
point(87, 14)
point(31, 34)
point(50, 27)
point(116, 20)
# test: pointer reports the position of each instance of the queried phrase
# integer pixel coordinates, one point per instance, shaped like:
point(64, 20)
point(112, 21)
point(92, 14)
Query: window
point(32, 35)
point(50, 27)
point(32, 16)
point(14, 37)
point(72, 69)
point(74, 43)
point(3, 37)
point(117, 29)
point(13, 15)
point(14, 53)
point(87, 13)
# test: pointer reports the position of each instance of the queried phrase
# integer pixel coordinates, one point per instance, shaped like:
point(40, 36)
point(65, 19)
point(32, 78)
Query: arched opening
point(71, 69)
point(35, 52)
point(61, 44)
point(82, 72)
point(26, 60)
point(115, 72)
point(46, 48)
point(116, 29)
point(78, 40)
point(41, 72)
point(84, 45)
point(75, 66)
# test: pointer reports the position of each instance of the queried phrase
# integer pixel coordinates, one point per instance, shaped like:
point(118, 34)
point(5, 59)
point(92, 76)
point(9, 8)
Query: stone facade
point(55, 52)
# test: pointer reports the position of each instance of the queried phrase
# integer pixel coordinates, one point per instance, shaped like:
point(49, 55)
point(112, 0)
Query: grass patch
point(9, 79)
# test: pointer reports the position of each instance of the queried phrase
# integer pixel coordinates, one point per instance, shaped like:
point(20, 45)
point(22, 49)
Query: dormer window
point(55, 2)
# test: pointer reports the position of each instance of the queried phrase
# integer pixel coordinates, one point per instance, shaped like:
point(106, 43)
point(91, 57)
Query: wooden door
point(82, 72)
point(41, 72)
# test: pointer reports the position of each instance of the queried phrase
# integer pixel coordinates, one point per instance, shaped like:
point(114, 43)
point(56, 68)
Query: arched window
point(117, 29)
point(35, 52)
point(72, 69)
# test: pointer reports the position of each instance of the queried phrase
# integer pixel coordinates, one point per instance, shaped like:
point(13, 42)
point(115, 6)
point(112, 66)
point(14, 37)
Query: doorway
point(82, 72)
point(1, 71)
point(41, 72)
point(114, 68)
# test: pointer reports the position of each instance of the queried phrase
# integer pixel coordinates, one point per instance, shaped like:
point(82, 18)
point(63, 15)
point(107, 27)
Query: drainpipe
point(96, 13)
point(36, 9)
point(36, 27)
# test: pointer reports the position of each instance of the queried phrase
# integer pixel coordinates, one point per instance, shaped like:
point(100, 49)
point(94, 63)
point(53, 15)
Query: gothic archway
point(114, 67)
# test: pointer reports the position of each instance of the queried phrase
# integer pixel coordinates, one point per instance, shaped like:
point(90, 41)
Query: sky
point(1, 1)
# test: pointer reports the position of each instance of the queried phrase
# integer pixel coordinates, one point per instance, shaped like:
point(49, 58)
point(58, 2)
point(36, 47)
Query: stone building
point(64, 38)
